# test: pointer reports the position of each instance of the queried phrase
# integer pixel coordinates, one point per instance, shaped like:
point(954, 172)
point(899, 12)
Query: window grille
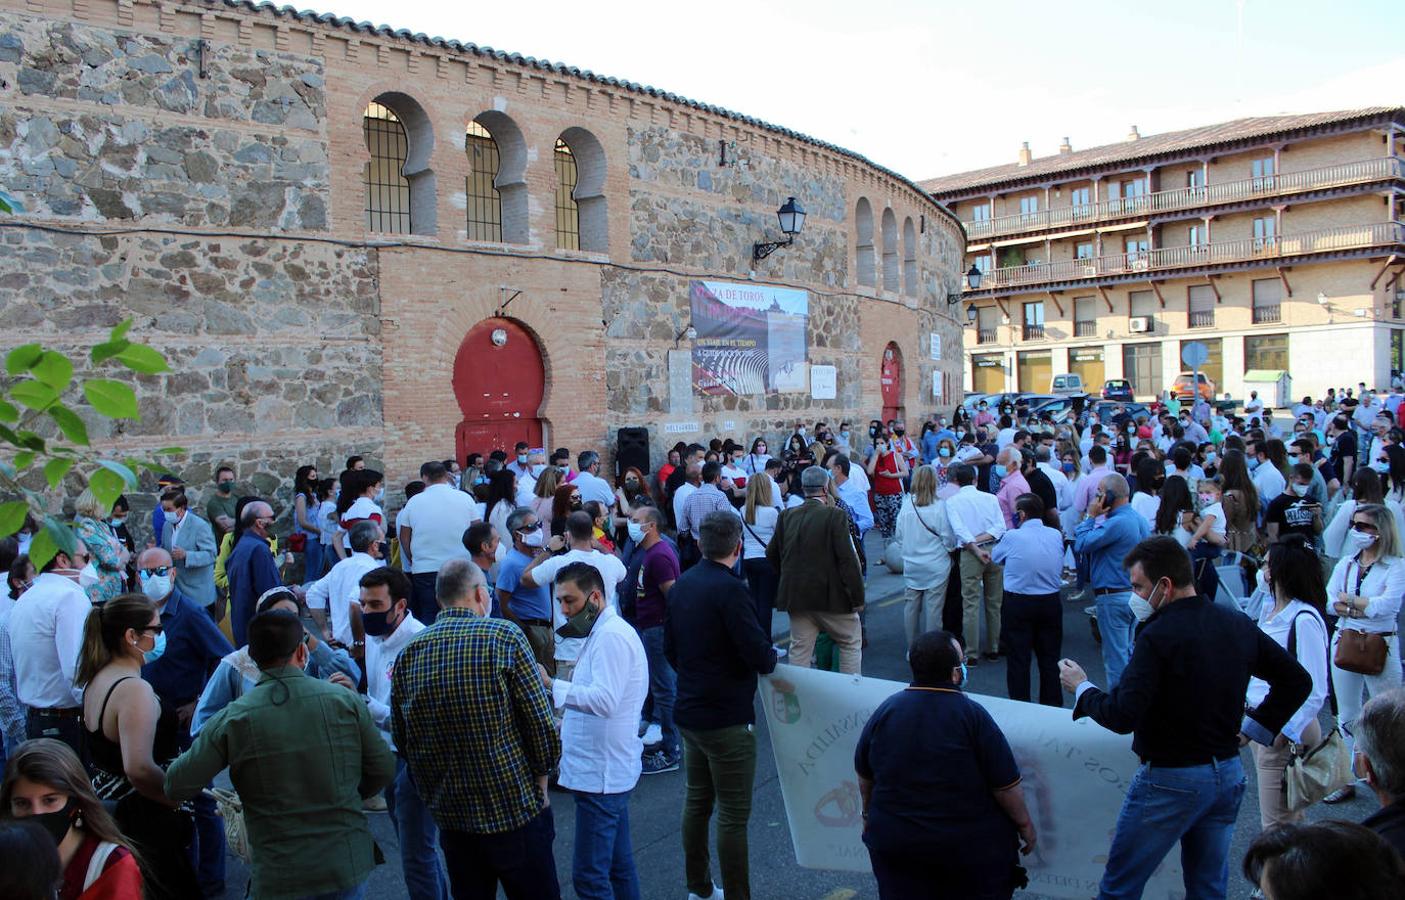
point(484, 203)
point(568, 214)
point(387, 188)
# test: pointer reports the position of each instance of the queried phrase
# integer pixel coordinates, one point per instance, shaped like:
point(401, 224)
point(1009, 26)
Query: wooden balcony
point(1168, 259)
point(1342, 175)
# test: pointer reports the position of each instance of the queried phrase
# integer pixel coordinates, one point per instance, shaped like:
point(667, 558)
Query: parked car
point(1180, 388)
point(1066, 383)
point(1117, 389)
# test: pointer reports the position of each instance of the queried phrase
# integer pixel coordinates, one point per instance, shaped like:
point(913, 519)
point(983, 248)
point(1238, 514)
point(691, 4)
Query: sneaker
point(653, 734)
point(659, 762)
point(1341, 795)
point(374, 803)
point(715, 895)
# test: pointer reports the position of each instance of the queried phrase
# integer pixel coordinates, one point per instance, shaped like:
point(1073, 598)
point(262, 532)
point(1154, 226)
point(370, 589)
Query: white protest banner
point(1074, 775)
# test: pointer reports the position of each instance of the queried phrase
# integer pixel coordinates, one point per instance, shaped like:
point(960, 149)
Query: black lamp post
point(973, 283)
point(792, 219)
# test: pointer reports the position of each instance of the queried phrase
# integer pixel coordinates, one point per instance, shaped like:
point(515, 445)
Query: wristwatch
point(358, 643)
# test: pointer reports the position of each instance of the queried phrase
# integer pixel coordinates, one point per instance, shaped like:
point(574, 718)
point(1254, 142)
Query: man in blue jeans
point(1182, 700)
point(600, 745)
point(657, 573)
point(1102, 540)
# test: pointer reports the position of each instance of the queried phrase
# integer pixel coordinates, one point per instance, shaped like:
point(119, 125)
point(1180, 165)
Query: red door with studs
point(891, 382)
point(499, 382)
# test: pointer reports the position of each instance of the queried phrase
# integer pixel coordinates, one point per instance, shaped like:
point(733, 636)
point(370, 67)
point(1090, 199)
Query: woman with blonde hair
point(759, 516)
point(1364, 592)
point(109, 556)
point(544, 494)
point(925, 535)
point(129, 735)
point(45, 783)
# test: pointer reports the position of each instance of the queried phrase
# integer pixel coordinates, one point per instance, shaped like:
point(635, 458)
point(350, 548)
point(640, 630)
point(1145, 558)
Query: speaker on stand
point(632, 450)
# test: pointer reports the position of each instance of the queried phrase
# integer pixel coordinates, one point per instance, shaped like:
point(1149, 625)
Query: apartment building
point(1275, 241)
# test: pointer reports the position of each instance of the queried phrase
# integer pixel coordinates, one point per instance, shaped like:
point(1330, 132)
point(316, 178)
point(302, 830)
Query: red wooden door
point(499, 381)
point(891, 383)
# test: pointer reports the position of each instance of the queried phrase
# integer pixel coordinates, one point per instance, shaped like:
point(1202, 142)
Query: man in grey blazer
point(191, 543)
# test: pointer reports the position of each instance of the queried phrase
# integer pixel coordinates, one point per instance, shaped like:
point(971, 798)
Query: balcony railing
point(1202, 318)
point(1267, 312)
point(1360, 172)
point(1346, 237)
point(985, 336)
point(1034, 332)
point(1085, 329)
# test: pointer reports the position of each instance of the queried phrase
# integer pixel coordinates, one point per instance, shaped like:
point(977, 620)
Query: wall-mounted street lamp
point(971, 314)
point(792, 219)
point(973, 282)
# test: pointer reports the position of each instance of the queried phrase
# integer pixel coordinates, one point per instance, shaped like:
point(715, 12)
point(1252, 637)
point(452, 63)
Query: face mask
point(636, 532)
point(1069, 468)
point(1294, 459)
point(1263, 579)
point(88, 576)
point(1382, 467)
point(377, 624)
point(576, 506)
point(533, 538)
point(1208, 500)
point(1000, 471)
point(1300, 489)
point(579, 625)
point(900, 431)
point(224, 487)
point(521, 459)
point(380, 495)
point(800, 430)
point(150, 656)
point(1360, 539)
point(58, 822)
point(384, 547)
point(156, 587)
point(1253, 463)
point(1209, 459)
point(964, 672)
point(844, 434)
point(538, 469)
point(1142, 609)
point(943, 452)
point(960, 432)
point(118, 523)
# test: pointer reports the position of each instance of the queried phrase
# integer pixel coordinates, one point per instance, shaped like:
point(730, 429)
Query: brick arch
point(863, 231)
point(511, 179)
point(419, 134)
point(890, 252)
point(909, 258)
point(590, 188)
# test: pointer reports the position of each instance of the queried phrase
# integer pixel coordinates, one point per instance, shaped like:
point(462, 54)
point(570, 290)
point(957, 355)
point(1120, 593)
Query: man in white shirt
point(1253, 406)
point(521, 462)
point(600, 745)
point(1063, 488)
point(46, 639)
point(1268, 481)
point(385, 603)
point(978, 523)
point(692, 480)
point(335, 598)
point(591, 485)
point(543, 569)
point(841, 469)
point(430, 528)
point(1006, 435)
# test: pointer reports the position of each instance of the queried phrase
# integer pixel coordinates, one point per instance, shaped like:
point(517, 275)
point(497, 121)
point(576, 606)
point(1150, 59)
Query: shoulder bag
point(1312, 773)
point(1362, 652)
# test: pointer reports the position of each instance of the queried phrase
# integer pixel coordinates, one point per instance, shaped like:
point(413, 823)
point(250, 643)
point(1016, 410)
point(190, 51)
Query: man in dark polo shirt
point(715, 644)
point(1181, 698)
point(657, 573)
point(942, 801)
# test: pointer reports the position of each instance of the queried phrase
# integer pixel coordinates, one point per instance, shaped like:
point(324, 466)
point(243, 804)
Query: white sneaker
point(715, 895)
point(653, 735)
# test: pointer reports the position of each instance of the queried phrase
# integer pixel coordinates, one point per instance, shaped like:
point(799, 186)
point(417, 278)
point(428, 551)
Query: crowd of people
point(524, 624)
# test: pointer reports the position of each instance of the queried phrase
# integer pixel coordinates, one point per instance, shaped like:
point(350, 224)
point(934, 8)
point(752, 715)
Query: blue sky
point(930, 88)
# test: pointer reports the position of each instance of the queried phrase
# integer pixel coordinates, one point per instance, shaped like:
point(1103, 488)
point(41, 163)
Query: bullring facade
point(347, 238)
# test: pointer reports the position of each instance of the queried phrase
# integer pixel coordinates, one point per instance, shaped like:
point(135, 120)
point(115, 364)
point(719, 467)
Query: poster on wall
point(824, 382)
point(752, 339)
point(936, 346)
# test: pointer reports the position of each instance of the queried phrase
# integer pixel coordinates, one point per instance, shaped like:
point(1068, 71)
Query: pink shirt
point(1088, 486)
point(1011, 487)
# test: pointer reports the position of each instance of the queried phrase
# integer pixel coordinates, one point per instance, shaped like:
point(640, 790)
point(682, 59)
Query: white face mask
point(156, 587)
point(1300, 489)
point(533, 538)
point(1141, 608)
point(1360, 539)
point(88, 575)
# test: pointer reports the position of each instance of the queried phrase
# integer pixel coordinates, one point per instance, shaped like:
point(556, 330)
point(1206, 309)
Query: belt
point(1098, 592)
point(58, 712)
point(537, 622)
point(1052, 595)
point(1189, 765)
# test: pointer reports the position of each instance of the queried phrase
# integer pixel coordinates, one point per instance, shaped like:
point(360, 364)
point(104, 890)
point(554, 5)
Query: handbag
point(1361, 652)
point(1312, 773)
point(297, 542)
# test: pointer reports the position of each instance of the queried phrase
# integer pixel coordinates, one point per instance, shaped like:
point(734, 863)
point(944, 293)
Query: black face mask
point(576, 506)
point(377, 624)
point(58, 822)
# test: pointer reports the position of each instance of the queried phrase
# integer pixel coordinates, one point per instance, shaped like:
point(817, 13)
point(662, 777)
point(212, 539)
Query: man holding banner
point(1182, 699)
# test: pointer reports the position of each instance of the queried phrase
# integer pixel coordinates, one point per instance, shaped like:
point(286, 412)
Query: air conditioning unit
point(1140, 324)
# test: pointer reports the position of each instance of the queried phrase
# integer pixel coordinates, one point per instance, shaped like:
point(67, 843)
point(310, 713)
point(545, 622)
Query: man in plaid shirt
point(473, 723)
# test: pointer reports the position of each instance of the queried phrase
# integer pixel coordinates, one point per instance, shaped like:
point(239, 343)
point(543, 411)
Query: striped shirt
point(706, 499)
point(473, 723)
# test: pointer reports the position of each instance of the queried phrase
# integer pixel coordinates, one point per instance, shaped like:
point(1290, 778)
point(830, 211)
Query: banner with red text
point(751, 338)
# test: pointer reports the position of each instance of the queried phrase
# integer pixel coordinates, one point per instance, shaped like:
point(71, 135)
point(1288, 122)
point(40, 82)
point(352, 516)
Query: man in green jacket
point(303, 755)
point(821, 586)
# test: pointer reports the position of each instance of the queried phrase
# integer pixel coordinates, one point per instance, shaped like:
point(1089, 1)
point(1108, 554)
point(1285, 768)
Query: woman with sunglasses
point(1364, 592)
point(130, 735)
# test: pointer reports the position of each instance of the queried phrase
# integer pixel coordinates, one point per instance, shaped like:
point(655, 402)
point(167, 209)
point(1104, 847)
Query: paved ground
point(655, 807)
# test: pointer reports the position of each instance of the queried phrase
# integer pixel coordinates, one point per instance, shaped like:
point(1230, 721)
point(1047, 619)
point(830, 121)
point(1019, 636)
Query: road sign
point(1194, 354)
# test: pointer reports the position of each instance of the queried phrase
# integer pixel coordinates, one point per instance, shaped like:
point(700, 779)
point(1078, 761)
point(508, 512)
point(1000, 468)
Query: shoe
point(972, 661)
point(1341, 795)
point(659, 762)
point(374, 803)
point(715, 895)
point(653, 734)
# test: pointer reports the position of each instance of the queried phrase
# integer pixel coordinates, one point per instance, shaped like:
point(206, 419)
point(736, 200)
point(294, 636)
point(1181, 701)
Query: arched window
point(581, 220)
point(890, 252)
point(568, 213)
point(909, 258)
point(863, 230)
point(387, 188)
point(484, 202)
point(400, 195)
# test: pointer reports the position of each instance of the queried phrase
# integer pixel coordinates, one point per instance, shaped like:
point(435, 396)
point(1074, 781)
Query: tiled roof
point(1256, 128)
point(314, 18)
